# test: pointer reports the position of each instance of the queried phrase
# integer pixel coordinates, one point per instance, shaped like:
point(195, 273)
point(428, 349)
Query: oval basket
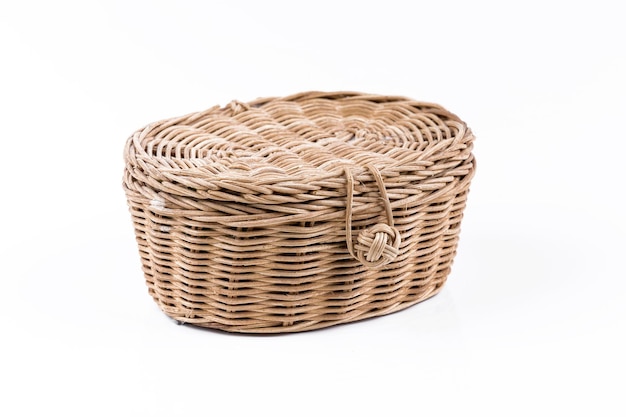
point(297, 213)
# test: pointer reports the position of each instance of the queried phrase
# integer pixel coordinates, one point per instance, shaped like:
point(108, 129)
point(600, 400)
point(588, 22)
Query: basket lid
point(295, 145)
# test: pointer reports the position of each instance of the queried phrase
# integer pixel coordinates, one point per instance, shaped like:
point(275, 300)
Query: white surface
point(532, 319)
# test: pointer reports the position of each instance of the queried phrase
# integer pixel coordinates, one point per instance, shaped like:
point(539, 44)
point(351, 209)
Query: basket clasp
point(377, 245)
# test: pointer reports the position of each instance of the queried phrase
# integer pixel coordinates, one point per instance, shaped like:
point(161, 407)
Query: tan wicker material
point(297, 213)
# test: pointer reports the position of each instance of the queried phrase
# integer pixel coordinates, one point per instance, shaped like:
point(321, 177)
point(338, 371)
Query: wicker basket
point(297, 213)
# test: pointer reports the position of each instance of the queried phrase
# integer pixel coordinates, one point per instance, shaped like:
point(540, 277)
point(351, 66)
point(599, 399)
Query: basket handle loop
point(235, 107)
point(378, 245)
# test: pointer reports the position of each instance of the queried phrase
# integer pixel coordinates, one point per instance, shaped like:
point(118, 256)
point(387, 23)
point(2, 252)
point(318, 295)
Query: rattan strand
point(297, 213)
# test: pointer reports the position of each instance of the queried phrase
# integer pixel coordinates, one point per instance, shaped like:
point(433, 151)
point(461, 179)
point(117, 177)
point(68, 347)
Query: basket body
point(297, 213)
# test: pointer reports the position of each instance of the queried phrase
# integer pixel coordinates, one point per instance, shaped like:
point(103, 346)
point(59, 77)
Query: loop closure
point(377, 245)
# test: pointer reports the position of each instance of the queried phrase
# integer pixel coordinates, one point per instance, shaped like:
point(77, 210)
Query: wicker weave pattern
point(296, 213)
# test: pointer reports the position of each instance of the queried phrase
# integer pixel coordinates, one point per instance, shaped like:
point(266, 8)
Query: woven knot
point(378, 245)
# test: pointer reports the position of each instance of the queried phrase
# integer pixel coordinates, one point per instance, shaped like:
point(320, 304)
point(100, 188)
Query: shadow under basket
point(297, 213)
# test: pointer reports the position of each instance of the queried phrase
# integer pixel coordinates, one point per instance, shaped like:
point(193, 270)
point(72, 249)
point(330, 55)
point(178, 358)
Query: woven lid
point(269, 149)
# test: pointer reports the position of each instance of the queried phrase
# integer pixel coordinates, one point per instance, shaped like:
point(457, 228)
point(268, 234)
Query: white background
point(532, 319)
